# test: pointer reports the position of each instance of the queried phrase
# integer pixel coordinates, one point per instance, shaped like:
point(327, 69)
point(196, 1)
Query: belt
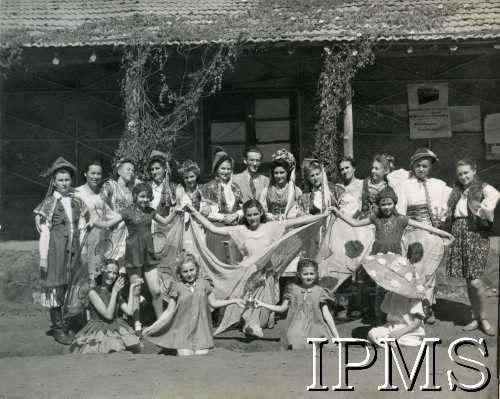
point(419, 212)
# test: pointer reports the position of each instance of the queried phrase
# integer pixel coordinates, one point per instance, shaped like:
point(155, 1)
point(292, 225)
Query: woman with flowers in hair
point(221, 205)
point(189, 192)
point(382, 165)
point(280, 197)
point(424, 199)
point(116, 194)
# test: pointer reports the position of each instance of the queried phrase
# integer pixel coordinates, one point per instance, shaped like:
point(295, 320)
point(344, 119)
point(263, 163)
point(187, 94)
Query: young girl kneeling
point(105, 332)
point(186, 324)
point(308, 312)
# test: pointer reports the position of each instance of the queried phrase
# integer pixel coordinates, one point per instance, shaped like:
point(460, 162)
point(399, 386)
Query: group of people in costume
point(235, 243)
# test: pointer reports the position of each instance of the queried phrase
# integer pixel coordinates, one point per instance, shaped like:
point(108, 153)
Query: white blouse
point(412, 192)
point(157, 189)
point(487, 208)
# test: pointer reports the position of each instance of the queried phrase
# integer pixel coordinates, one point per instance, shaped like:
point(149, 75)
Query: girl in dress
point(189, 192)
point(105, 332)
point(58, 219)
point(89, 193)
point(140, 256)
point(472, 204)
point(251, 238)
point(403, 300)
point(186, 324)
point(116, 193)
point(389, 229)
point(307, 305)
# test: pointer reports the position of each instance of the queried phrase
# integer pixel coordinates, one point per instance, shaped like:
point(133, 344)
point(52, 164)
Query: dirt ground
point(32, 365)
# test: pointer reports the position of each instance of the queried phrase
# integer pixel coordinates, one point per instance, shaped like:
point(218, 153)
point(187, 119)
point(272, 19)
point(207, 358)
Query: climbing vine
point(341, 63)
point(157, 122)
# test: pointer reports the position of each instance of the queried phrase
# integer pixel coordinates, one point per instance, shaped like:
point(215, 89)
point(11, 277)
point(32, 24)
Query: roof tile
point(470, 20)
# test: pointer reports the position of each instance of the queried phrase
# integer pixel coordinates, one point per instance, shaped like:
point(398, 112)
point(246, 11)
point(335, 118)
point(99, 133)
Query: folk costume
point(222, 198)
point(61, 216)
point(164, 194)
point(116, 198)
point(424, 201)
point(100, 335)
point(281, 203)
point(471, 218)
point(95, 206)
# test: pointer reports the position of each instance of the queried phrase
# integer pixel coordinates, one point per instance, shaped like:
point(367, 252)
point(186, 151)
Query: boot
point(58, 327)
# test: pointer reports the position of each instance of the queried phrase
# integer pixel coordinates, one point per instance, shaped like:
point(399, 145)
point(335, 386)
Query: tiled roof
point(470, 19)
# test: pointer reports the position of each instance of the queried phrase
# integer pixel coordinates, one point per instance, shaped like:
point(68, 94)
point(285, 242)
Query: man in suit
point(250, 181)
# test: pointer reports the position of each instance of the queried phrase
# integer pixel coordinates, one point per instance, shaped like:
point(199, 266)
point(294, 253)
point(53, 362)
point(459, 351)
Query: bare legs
point(475, 290)
point(152, 279)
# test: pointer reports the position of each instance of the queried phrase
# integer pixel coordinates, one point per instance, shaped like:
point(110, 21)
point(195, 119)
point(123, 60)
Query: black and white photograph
point(249, 198)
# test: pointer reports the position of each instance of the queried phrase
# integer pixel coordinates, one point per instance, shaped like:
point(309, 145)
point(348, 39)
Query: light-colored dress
point(250, 242)
point(95, 206)
point(401, 312)
point(425, 202)
point(163, 199)
point(305, 317)
point(191, 325)
point(100, 335)
point(194, 198)
point(116, 198)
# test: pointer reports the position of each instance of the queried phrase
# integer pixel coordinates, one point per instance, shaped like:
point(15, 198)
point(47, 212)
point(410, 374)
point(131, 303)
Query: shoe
point(488, 331)
point(473, 325)
point(61, 337)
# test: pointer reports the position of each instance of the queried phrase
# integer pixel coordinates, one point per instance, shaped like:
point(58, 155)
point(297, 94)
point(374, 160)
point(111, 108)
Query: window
point(235, 121)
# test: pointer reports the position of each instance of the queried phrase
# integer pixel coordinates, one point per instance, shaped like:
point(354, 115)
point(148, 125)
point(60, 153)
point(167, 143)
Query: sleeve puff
point(209, 285)
point(325, 298)
point(168, 287)
point(487, 207)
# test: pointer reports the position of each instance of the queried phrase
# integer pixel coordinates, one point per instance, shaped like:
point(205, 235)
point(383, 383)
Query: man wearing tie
point(250, 181)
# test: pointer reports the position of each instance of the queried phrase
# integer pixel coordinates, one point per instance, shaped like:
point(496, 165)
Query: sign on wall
point(428, 112)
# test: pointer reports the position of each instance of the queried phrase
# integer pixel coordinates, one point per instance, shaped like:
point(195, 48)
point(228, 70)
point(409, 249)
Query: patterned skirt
point(468, 253)
point(101, 337)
